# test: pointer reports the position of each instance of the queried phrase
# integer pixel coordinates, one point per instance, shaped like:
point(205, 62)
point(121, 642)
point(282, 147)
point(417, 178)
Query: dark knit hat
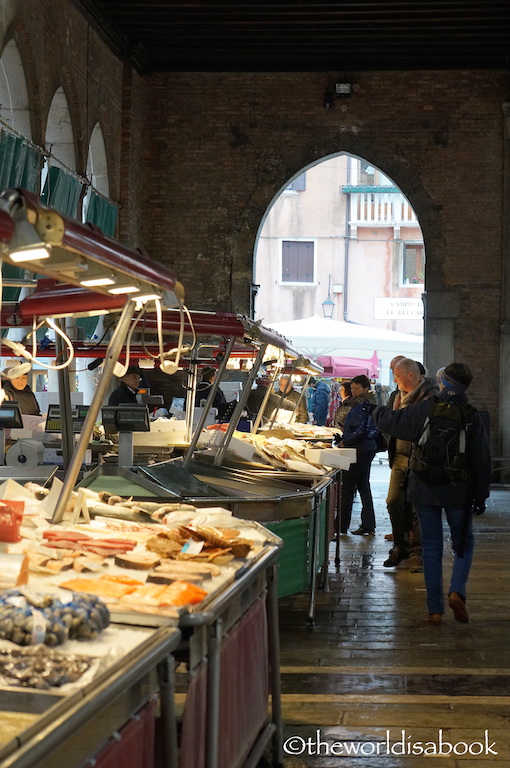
point(458, 374)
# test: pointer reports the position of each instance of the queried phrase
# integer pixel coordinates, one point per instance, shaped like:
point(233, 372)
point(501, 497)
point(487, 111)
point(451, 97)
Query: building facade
point(341, 241)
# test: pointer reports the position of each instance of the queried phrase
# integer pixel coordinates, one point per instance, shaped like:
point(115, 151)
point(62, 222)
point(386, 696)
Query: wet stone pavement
point(371, 683)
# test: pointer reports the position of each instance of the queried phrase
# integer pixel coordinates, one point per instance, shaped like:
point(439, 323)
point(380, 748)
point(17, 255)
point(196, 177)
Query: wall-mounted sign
point(398, 309)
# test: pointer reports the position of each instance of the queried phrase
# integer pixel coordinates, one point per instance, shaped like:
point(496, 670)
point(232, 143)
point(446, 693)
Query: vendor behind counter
point(128, 388)
point(202, 392)
point(16, 387)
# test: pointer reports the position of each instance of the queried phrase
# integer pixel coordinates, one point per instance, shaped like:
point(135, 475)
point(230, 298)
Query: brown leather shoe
point(389, 537)
point(435, 619)
point(458, 606)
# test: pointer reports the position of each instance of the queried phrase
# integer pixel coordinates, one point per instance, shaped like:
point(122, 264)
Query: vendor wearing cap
point(203, 388)
point(128, 388)
point(16, 388)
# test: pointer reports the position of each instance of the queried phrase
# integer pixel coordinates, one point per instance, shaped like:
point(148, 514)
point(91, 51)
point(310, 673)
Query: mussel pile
point(40, 667)
point(44, 618)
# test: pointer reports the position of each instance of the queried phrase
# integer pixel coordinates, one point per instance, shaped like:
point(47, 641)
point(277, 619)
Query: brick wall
point(220, 146)
point(195, 160)
point(58, 48)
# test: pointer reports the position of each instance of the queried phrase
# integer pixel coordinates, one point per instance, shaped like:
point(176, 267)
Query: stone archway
point(442, 305)
point(14, 101)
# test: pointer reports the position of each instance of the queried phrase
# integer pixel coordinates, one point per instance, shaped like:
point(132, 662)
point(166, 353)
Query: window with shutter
point(413, 264)
point(298, 261)
point(298, 185)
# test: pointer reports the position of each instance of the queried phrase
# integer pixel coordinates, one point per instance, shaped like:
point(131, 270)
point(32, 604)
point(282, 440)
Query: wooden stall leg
point(166, 670)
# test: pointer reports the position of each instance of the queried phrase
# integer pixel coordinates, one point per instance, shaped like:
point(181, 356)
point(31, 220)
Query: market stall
point(287, 504)
point(201, 579)
point(209, 615)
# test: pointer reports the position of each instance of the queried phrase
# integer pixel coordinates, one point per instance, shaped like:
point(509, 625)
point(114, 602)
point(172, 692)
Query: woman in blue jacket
point(360, 432)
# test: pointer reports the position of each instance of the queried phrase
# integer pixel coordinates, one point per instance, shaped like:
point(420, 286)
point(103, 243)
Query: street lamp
point(328, 305)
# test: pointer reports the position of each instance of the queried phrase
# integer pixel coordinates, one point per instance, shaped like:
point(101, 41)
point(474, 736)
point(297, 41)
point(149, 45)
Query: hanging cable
point(20, 349)
point(119, 369)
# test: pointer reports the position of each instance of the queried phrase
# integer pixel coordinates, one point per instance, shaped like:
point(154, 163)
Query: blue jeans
point(431, 526)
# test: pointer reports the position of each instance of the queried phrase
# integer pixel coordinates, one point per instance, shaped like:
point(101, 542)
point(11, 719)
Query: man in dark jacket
point(459, 499)
point(127, 390)
point(203, 389)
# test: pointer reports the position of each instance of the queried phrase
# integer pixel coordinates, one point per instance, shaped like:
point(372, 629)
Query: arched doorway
point(341, 241)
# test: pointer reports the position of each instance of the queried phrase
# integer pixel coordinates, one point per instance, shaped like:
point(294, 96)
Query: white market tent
point(316, 336)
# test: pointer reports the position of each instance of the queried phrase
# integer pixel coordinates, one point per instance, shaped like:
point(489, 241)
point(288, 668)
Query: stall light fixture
point(144, 297)
point(96, 282)
point(69, 251)
point(26, 243)
point(30, 253)
point(146, 363)
point(121, 289)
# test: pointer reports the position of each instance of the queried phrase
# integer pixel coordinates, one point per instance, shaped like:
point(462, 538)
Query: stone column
point(504, 358)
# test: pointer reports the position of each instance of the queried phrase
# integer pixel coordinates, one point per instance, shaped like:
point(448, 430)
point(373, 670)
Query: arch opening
point(341, 242)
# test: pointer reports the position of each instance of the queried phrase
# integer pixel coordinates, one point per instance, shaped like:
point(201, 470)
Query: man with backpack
point(450, 469)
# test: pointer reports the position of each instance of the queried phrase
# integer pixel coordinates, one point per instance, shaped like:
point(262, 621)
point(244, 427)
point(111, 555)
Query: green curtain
point(62, 191)
point(20, 163)
point(20, 166)
point(102, 213)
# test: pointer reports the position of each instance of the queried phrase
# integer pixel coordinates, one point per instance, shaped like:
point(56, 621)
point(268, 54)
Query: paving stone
point(372, 662)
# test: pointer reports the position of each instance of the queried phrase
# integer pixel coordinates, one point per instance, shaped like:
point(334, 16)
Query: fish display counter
point(203, 578)
point(93, 700)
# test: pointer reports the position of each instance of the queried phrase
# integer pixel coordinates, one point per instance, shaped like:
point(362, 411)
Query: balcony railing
point(370, 206)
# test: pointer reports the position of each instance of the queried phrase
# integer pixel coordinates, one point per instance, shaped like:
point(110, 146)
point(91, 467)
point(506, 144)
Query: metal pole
point(282, 397)
point(210, 398)
point(260, 414)
point(65, 400)
point(273, 637)
point(112, 354)
point(239, 407)
point(191, 386)
point(166, 669)
point(212, 720)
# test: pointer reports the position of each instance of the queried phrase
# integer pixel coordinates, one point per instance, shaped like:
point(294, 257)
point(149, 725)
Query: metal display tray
point(73, 728)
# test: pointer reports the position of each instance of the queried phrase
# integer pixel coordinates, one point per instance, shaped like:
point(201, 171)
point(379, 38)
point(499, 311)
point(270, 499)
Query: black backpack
point(439, 457)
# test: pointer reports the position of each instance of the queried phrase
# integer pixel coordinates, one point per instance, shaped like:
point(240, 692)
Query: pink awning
point(344, 367)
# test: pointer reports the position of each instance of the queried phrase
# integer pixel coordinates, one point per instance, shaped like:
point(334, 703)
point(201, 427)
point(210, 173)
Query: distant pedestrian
point(320, 403)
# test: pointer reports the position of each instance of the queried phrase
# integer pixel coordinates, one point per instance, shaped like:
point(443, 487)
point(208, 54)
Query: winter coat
point(202, 393)
point(359, 429)
point(408, 424)
point(25, 398)
point(122, 395)
point(341, 412)
point(256, 398)
point(429, 388)
point(320, 403)
point(301, 411)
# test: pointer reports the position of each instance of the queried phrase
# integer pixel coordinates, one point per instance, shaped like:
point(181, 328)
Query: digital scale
point(10, 418)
